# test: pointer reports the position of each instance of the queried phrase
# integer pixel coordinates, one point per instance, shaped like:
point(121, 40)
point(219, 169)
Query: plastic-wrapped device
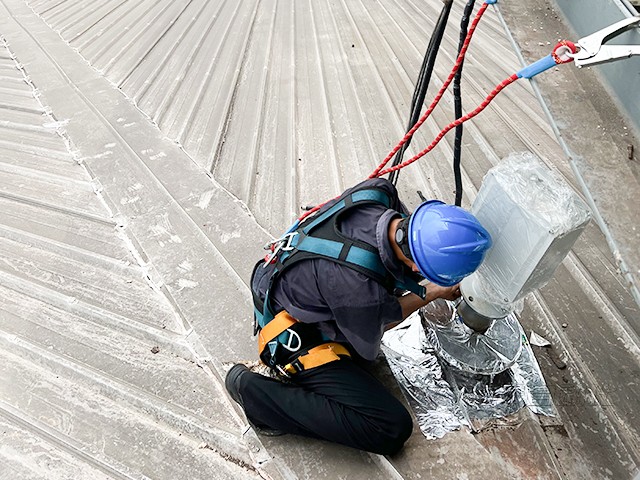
point(534, 218)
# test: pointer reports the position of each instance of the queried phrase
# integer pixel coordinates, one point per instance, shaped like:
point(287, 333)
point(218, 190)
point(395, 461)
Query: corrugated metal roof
point(259, 105)
point(318, 90)
point(83, 396)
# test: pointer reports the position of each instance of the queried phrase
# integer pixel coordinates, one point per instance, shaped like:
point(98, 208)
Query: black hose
point(457, 97)
point(423, 80)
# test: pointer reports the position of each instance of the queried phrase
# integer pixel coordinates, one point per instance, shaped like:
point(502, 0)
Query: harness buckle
point(281, 371)
point(283, 243)
point(288, 239)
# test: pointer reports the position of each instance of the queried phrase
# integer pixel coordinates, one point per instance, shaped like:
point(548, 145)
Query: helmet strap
point(402, 237)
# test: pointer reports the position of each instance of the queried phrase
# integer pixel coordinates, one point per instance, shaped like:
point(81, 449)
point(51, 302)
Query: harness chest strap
point(325, 353)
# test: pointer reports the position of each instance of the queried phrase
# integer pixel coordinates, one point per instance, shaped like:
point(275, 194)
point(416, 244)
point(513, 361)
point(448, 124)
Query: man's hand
point(411, 302)
point(448, 293)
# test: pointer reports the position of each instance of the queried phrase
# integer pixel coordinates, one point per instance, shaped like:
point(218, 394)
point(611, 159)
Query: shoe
point(232, 384)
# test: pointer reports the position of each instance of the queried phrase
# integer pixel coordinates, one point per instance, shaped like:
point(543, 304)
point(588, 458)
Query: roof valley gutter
point(624, 267)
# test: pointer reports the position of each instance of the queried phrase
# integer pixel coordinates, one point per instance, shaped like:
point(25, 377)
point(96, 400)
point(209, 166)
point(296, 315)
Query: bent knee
point(394, 433)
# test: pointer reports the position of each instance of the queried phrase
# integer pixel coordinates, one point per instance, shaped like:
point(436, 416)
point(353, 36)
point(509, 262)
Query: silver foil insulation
point(454, 377)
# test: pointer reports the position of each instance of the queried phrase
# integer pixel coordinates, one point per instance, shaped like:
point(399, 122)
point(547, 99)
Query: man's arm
point(412, 302)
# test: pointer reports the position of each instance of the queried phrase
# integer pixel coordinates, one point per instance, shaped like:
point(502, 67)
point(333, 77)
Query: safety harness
point(282, 337)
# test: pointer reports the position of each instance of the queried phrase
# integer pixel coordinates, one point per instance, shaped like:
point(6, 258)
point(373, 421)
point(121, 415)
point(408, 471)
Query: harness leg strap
point(325, 353)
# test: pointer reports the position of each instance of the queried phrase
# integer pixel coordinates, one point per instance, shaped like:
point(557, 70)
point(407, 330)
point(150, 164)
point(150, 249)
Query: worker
point(324, 299)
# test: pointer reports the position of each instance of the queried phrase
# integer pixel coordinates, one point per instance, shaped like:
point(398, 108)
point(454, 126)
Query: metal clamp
point(593, 52)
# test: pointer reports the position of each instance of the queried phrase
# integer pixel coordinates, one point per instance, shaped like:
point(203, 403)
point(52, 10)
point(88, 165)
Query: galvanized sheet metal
point(284, 103)
point(83, 395)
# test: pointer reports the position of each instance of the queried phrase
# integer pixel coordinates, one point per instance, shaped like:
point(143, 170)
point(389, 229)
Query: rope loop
point(562, 50)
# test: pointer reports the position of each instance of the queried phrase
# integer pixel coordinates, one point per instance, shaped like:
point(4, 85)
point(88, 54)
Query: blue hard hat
point(447, 243)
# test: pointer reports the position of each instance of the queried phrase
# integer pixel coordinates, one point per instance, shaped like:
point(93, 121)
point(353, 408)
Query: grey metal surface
point(598, 141)
point(202, 122)
point(83, 395)
point(306, 96)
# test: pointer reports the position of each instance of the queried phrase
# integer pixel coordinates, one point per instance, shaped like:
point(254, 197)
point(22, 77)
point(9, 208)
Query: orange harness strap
point(275, 327)
point(325, 353)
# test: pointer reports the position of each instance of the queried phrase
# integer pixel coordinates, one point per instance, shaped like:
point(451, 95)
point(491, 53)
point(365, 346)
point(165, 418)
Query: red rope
point(436, 100)
point(559, 55)
point(452, 125)
point(378, 171)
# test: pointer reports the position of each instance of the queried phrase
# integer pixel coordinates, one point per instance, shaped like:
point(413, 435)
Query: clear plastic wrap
point(534, 218)
point(445, 398)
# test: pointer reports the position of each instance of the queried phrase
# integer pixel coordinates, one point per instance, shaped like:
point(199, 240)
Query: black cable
point(423, 80)
point(457, 97)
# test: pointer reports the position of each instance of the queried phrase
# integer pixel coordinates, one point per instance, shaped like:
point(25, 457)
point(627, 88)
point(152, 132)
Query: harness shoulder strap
point(363, 258)
point(325, 238)
point(322, 236)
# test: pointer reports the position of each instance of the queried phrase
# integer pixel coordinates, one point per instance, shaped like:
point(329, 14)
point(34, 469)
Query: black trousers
point(339, 402)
